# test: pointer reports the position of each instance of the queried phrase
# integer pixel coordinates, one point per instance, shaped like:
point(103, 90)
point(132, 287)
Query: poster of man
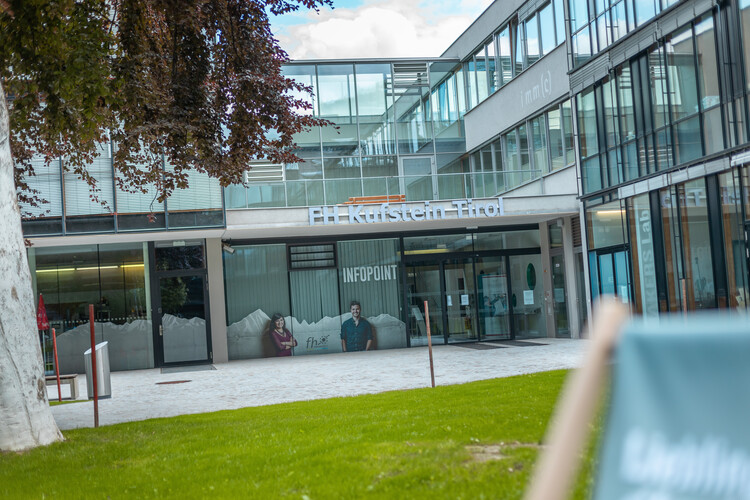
point(356, 332)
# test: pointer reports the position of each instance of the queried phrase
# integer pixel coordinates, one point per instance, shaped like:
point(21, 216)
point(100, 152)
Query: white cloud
point(383, 29)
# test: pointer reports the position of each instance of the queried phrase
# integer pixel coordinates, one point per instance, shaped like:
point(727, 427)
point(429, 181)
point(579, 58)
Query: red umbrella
point(41, 315)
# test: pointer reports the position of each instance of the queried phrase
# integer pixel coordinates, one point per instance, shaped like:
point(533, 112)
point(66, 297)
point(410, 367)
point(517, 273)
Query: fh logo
point(319, 344)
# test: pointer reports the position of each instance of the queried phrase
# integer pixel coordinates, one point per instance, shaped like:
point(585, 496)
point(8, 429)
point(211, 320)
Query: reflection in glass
point(184, 319)
point(459, 300)
point(527, 296)
point(605, 225)
point(734, 241)
point(423, 284)
point(493, 298)
point(697, 245)
point(375, 109)
point(188, 256)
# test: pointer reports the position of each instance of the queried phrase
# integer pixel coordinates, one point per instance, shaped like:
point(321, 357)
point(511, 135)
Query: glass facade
point(478, 286)
point(115, 279)
point(659, 110)
point(70, 206)
point(595, 25)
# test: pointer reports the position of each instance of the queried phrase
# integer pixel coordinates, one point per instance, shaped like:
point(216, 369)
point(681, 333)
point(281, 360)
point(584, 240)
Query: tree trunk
point(25, 418)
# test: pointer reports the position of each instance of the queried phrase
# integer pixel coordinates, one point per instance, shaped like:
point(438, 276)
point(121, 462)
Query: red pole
point(429, 341)
point(57, 367)
point(93, 366)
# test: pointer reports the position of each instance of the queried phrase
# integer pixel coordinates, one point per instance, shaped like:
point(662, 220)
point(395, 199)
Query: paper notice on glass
point(559, 295)
point(528, 297)
point(449, 300)
point(465, 300)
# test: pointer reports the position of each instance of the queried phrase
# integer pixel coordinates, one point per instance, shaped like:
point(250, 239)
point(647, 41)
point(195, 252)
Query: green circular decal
point(531, 276)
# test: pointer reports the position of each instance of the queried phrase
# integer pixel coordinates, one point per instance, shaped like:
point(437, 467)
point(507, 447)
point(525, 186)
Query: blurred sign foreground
point(678, 425)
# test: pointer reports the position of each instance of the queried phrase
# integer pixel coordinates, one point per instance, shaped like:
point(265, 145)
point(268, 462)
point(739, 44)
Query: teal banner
point(679, 418)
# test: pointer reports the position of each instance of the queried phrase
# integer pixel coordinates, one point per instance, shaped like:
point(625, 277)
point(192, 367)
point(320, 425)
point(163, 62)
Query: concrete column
point(215, 266)
point(571, 282)
point(548, 308)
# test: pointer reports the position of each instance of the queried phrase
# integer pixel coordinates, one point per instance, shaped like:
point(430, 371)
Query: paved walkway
point(138, 395)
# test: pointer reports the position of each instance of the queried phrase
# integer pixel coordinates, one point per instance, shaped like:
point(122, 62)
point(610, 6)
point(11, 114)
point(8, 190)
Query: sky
point(376, 28)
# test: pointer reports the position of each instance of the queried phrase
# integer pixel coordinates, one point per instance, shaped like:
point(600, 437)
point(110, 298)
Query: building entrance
point(181, 330)
point(467, 299)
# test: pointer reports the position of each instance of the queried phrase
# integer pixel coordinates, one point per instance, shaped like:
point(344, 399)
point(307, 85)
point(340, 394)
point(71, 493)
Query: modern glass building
point(662, 117)
point(556, 151)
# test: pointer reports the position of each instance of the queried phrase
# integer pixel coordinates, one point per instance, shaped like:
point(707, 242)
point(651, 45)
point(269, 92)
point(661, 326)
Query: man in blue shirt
point(356, 333)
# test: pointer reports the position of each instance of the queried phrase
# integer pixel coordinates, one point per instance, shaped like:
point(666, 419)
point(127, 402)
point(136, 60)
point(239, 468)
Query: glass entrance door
point(460, 300)
point(494, 303)
point(182, 330)
point(423, 283)
point(610, 274)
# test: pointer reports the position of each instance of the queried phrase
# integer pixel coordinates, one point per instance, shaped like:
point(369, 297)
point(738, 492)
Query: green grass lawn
point(476, 440)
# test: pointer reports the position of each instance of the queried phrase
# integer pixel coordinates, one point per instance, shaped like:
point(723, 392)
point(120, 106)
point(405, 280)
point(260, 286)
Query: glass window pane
point(341, 168)
point(734, 251)
point(681, 71)
point(697, 245)
point(713, 131)
point(310, 169)
point(579, 15)
point(250, 307)
point(745, 20)
point(659, 92)
point(556, 139)
point(339, 191)
point(642, 246)
point(547, 27)
point(587, 129)
point(304, 74)
point(506, 240)
point(605, 225)
point(539, 133)
point(379, 166)
point(413, 123)
point(592, 175)
point(619, 22)
point(505, 56)
point(518, 48)
point(644, 10)
point(375, 109)
point(336, 93)
point(581, 47)
point(532, 40)
point(491, 69)
point(523, 150)
point(559, 21)
point(687, 140)
point(708, 70)
point(627, 110)
point(567, 124)
point(448, 242)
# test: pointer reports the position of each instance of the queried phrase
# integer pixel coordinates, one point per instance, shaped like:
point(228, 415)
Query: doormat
point(192, 368)
point(479, 346)
point(515, 343)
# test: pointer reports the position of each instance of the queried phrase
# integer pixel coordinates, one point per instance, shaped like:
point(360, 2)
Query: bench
point(363, 200)
point(70, 379)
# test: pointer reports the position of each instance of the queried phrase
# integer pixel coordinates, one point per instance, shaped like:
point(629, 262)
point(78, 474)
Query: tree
point(196, 81)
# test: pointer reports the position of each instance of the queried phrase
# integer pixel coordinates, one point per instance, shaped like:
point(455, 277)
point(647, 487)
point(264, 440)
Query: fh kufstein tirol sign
point(403, 212)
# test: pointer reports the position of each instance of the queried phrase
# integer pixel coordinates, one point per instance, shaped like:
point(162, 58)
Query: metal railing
point(314, 192)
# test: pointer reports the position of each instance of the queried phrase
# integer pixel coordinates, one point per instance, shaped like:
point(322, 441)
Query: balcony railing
point(314, 192)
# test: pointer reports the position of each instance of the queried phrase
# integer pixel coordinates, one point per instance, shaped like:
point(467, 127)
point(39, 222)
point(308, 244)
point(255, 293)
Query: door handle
point(161, 330)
